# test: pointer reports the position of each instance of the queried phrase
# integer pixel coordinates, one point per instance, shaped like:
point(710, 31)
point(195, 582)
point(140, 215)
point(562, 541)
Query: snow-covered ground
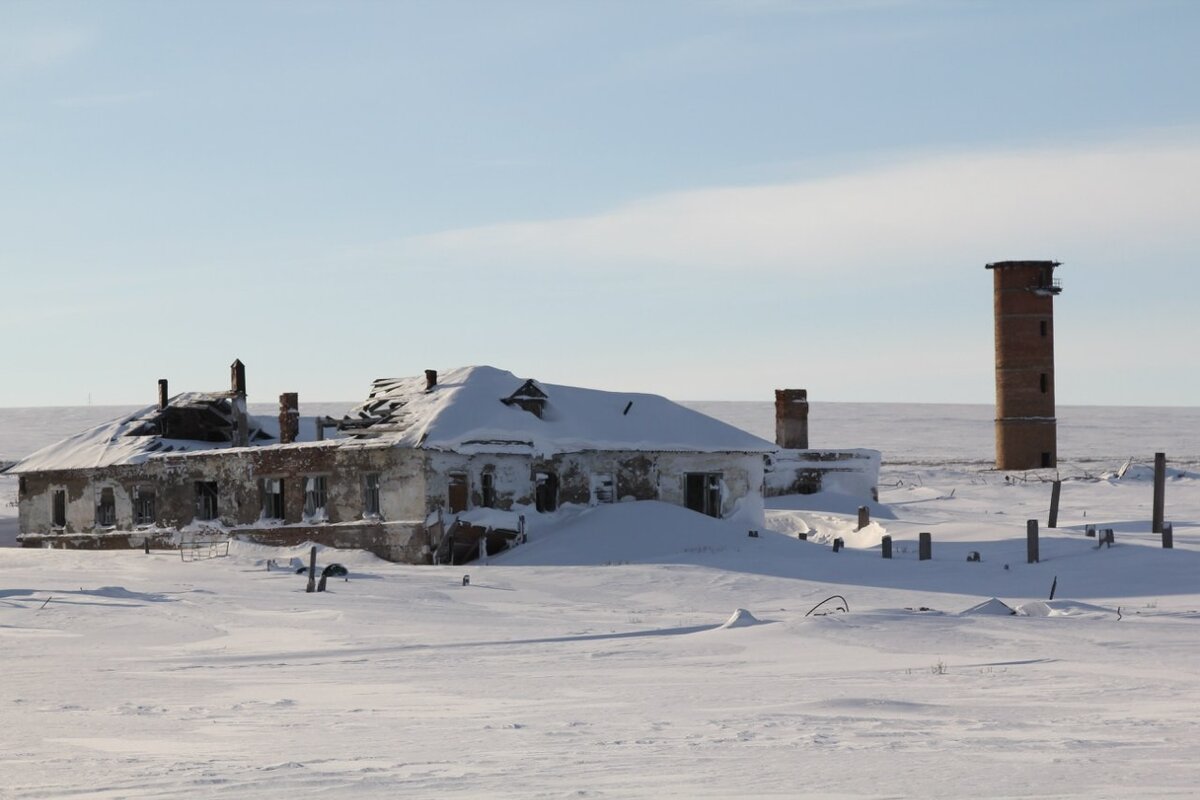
point(607, 657)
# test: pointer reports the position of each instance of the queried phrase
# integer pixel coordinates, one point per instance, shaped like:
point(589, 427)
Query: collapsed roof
point(191, 421)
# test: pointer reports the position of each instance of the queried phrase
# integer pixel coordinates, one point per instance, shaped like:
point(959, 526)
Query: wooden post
point(1160, 486)
point(1031, 542)
point(312, 570)
point(838, 544)
point(1168, 536)
point(925, 546)
point(1055, 492)
point(886, 545)
point(864, 517)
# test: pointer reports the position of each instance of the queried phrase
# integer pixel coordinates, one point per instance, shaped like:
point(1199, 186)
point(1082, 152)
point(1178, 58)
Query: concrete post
point(864, 517)
point(1168, 535)
point(1160, 487)
point(885, 545)
point(312, 570)
point(1055, 492)
point(1031, 542)
point(925, 546)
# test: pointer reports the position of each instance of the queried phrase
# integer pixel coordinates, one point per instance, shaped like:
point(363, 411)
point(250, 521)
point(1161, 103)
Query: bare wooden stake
point(1168, 536)
point(312, 570)
point(1031, 542)
point(885, 544)
point(1055, 492)
point(1160, 487)
point(864, 517)
point(925, 546)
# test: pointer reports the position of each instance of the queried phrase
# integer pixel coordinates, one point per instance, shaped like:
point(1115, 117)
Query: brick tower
point(1026, 430)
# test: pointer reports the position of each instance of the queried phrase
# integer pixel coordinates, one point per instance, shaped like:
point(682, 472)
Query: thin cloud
point(925, 213)
point(102, 100)
point(30, 51)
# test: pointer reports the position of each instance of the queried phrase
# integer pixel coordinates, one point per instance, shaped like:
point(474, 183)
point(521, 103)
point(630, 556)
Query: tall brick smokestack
point(289, 417)
point(791, 418)
point(1023, 295)
point(163, 396)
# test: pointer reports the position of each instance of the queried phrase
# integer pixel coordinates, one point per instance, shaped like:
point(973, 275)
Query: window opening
point(143, 506)
point(604, 488)
point(1044, 382)
point(1045, 327)
point(487, 488)
point(702, 492)
point(545, 493)
point(206, 500)
point(314, 497)
point(106, 507)
point(272, 494)
point(59, 510)
point(457, 493)
point(371, 494)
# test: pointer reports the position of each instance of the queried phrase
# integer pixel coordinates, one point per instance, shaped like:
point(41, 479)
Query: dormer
point(529, 397)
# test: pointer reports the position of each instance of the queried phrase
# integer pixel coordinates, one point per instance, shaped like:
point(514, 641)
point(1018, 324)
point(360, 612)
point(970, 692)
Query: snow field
point(634, 650)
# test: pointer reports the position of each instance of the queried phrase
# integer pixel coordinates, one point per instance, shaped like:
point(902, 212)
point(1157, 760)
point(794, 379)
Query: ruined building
point(1026, 429)
point(393, 476)
point(427, 469)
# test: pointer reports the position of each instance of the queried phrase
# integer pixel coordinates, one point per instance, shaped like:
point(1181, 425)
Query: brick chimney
point(163, 395)
point(430, 379)
point(791, 418)
point(240, 435)
point(237, 378)
point(289, 417)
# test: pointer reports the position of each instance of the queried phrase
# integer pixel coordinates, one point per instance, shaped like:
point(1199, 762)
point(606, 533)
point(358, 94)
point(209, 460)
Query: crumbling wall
point(851, 472)
point(511, 478)
point(397, 529)
point(741, 476)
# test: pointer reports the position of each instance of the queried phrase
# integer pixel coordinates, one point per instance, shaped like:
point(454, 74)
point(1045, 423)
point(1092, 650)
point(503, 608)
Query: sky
point(707, 199)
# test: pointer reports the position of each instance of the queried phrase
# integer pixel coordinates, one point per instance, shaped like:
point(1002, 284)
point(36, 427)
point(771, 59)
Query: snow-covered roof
point(192, 421)
point(484, 409)
point(470, 410)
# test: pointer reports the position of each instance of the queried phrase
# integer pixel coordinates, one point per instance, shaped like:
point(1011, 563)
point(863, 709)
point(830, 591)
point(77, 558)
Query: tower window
point(1045, 383)
point(1044, 327)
